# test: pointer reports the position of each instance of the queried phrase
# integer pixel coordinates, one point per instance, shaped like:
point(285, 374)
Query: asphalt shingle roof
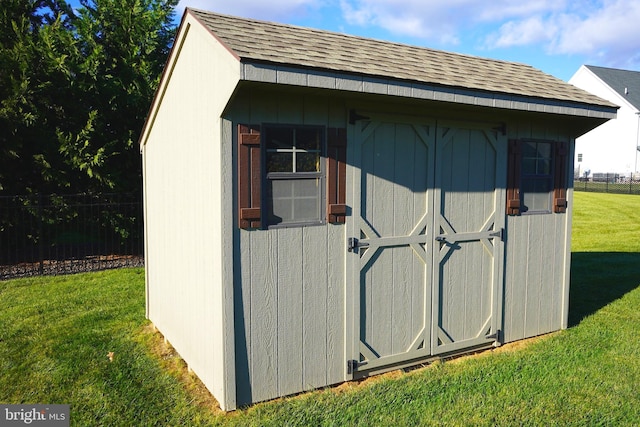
point(260, 41)
point(619, 80)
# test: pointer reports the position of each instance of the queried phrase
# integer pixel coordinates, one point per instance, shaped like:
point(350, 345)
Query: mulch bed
point(69, 266)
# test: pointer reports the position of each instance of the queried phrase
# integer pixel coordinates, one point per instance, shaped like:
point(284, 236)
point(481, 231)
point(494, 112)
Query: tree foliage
point(75, 86)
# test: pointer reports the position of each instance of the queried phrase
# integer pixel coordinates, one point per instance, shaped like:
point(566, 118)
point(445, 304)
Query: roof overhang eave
point(334, 80)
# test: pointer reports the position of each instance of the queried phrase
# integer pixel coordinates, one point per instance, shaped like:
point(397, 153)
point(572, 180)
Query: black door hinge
point(353, 244)
point(354, 117)
point(499, 234)
point(352, 366)
point(497, 336)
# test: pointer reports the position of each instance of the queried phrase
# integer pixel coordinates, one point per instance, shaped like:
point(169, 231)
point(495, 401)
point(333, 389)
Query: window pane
point(544, 167)
point(536, 185)
point(536, 194)
point(306, 209)
point(528, 166)
point(544, 149)
point(278, 138)
point(279, 162)
point(282, 211)
point(305, 188)
point(537, 202)
point(294, 200)
point(308, 139)
point(307, 162)
point(529, 149)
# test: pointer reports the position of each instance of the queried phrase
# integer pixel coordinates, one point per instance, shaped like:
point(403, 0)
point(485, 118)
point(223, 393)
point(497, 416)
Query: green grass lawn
point(56, 334)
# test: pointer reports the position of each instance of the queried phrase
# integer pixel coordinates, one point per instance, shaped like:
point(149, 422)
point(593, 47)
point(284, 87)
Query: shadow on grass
point(598, 278)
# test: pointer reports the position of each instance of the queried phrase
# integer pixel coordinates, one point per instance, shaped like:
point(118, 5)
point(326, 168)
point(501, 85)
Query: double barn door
point(425, 240)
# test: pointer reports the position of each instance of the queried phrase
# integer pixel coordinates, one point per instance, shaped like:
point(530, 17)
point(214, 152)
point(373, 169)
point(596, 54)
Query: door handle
point(441, 239)
point(353, 244)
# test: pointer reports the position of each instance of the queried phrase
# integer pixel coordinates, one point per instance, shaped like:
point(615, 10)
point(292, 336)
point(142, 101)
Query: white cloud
point(258, 9)
point(413, 18)
point(604, 31)
point(612, 30)
point(505, 9)
point(521, 33)
point(437, 20)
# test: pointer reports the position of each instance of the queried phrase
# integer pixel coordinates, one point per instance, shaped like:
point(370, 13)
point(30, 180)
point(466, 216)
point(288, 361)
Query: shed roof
point(619, 80)
point(278, 52)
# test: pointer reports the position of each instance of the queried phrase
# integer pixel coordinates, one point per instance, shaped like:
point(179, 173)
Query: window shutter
point(513, 177)
point(560, 184)
point(249, 176)
point(336, 175)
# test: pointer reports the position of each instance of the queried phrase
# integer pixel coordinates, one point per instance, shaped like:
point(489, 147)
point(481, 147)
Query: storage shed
point(321, 207)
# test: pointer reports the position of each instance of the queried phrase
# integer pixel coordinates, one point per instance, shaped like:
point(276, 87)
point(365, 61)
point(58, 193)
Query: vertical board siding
point(263, 315)
point(243, 305)
point(315, 301)
point(184, 210)
point(290, 309)
point(536, 262)
point(226, 257)
point(515, 270)
point(335, 313)
point(294, 327)
point(289, 281)
point(533, 277)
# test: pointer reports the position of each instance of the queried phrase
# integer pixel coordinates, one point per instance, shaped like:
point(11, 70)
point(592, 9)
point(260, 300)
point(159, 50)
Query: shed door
point(392, 260)
point(469, 222)
point(424, 240)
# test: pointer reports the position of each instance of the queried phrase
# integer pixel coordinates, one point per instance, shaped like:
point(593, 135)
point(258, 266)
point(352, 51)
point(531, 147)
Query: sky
point(556, 36)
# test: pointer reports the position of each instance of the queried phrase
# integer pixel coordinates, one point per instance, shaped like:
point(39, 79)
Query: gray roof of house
point(277, 53)
point(619, 80)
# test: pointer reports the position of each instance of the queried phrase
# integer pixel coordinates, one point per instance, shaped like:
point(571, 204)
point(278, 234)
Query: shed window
point(294, 175)
point(536, 177)
point(291, 175)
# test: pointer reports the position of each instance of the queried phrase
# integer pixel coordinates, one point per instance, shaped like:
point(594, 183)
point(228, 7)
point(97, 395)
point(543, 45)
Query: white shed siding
point(184, 217)
point(610, 147)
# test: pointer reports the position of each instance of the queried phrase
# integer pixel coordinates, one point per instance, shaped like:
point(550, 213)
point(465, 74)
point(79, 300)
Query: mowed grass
point(56, 335)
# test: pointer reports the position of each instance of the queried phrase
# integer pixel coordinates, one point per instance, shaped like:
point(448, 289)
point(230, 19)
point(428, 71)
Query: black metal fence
point(61, 234)
point(609, 183)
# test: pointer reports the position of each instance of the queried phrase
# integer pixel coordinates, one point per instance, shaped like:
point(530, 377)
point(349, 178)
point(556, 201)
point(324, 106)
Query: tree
point(75, 87)
point(32, 71)
point(124, 44)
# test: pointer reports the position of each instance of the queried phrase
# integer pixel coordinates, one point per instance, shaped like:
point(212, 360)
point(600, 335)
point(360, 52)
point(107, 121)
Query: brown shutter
point(560, 179)
point(249, 176)
point(513, 177)
point(336, 174)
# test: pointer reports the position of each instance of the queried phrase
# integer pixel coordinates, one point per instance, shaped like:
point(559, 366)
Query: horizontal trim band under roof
point(271, 73)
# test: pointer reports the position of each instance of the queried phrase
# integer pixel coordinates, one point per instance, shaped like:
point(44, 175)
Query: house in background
point(613, 147)
point(321, 207)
